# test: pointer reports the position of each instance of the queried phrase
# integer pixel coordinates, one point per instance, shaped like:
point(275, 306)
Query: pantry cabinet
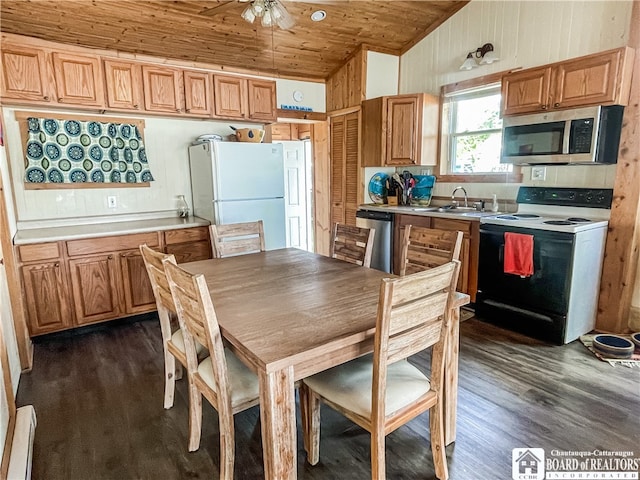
point(400, 130)
point(344, 146)
point(25, 74)
point(78, 79)
point(123, 82)
point(599, 79)
point(469, 252)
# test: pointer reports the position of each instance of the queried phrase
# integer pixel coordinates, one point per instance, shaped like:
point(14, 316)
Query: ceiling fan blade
point(220, 8)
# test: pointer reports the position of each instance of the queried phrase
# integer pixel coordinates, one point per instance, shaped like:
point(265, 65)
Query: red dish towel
point(518, 254)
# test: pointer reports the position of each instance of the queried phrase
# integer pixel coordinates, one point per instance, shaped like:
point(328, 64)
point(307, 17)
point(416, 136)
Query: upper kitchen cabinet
point(599, 79)
point(162, 89)
point(123, 84)
point(197, 93)
point(78, 79)
point(25, 74)
point(244, 98)
point(230, 96)
point(261, 99)
point(400, 130)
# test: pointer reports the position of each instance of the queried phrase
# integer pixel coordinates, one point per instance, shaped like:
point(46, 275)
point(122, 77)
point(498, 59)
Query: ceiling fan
point(270, 12)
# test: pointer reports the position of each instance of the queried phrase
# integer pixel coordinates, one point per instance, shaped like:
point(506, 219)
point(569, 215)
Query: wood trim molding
point(300, 115)
point(25, 346)
point(343, 111)
point(82, 186)
point(623, 239)
point(321, 187)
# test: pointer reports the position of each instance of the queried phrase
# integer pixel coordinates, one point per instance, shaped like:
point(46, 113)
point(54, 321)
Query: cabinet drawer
point(186, 235)
point(38, 252)
point(450, 224)
point(110, 244)
point(190, 252)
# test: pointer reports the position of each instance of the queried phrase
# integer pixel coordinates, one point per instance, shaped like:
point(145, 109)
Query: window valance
point(74, 151)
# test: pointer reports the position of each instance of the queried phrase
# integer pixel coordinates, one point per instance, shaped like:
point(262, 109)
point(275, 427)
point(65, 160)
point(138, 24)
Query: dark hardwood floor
point(98, 396)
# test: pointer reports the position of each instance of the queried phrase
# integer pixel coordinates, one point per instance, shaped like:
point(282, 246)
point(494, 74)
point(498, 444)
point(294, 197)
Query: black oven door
point(537, 304)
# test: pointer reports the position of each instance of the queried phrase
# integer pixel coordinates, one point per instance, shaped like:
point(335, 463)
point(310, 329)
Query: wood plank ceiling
point(213, 32)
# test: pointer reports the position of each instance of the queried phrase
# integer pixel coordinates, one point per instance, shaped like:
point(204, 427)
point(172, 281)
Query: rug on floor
point(633, 362)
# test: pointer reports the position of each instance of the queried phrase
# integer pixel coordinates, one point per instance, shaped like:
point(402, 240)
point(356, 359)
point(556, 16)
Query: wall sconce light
point(485, 53)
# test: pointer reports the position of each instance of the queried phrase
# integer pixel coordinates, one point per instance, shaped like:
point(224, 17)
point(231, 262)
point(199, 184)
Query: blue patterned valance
point(74, 151)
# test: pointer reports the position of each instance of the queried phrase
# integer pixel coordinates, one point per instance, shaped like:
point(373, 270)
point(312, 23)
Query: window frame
point(442, 169)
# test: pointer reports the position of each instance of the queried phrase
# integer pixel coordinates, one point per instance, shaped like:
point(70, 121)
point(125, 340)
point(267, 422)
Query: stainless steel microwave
point(581, 135)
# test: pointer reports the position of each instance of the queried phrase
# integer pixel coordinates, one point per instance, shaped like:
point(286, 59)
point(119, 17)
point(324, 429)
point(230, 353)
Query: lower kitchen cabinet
point(95, 288)
point(468, 277)
point(71, 283)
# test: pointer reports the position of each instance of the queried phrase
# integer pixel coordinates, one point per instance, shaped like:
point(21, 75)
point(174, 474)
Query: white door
point(295, 194)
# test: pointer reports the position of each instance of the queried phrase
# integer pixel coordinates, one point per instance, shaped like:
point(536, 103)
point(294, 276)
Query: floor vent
point(22, 445)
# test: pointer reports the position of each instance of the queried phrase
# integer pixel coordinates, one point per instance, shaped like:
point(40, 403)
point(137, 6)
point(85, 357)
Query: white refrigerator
point(235, 182)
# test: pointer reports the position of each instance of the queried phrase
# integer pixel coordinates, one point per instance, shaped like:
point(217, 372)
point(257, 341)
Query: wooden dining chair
point(237, 239)
point(383, 391)
point(352, 244)
point(221, 378)
point(423, 248)
point(172, 337)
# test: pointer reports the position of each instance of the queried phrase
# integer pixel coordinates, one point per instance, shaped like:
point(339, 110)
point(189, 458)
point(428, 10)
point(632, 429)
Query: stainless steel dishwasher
point(381, 259)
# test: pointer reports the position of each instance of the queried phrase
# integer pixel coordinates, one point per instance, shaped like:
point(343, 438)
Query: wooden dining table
point(288, 314)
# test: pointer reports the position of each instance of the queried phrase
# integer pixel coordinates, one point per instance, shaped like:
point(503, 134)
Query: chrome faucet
point(453, 196)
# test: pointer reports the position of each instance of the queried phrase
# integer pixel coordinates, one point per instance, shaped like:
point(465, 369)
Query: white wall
point(523, 33)
point(382, 74)
point(313, 94)
point(166, 142)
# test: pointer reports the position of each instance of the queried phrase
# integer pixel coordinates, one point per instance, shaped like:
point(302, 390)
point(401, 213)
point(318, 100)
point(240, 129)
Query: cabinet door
point(46, 297)
point(124, 85)
point(261, 99)
point(190, 252)
point(373, 142)
point(399, 223)
point(95, 288)
point(351, 166)
point(337, 168)
point(24, 74)
point(403, 130)
point(526, 91)
point(78, 79)
point(197, 93)
point(230, 96)
point(587, 81)
point(465, 281)
point(161, 89)
point(138, 293)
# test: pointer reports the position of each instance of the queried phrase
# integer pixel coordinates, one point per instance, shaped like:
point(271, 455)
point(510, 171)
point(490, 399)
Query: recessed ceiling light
point(318, 15)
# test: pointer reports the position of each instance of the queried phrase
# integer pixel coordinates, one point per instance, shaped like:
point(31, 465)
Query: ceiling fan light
point(267, 19)
point(285, 21)
point(469, 63)
point(248, 14)
point(258, 7)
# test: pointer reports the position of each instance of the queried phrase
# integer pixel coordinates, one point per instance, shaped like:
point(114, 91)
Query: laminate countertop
point(469, 215)
point(102, 227)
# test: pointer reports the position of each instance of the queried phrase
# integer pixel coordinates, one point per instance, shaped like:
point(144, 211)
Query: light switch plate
point(538, 173)
point(111, 201)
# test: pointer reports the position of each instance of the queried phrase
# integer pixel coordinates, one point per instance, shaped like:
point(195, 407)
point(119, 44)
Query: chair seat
point(178, 341)
point(243, 382)
point(349, 385)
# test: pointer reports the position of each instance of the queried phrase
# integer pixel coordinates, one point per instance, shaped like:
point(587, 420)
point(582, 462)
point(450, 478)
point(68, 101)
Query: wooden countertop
point(101, 227)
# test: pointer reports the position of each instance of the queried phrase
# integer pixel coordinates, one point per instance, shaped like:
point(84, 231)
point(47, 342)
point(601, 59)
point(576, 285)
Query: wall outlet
point(538, 173)
point(111, 201)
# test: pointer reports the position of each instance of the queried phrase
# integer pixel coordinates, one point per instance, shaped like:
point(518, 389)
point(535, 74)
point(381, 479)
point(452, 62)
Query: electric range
point(558, 301)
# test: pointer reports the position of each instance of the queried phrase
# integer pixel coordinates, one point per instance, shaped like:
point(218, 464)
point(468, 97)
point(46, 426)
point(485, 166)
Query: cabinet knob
point(136, 106)
point(187, 110)
point(57, 265)
point(178, 110)
point(110, 257)
point(556, 104)
point(544, 107)
point(46, 98)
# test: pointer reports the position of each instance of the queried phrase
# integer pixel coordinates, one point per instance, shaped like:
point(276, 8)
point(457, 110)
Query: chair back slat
point(155, 269)
point(352, 244)
point(424, 248)
point(237, 239)
point(412, 311)
point(198, 319)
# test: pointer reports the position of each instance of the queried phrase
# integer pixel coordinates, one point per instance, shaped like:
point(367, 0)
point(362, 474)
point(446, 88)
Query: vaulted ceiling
point(213, 32)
